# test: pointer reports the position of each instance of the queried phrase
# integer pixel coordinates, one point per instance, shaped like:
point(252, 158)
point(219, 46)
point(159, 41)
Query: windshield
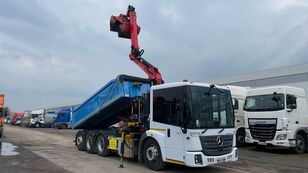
point(211, 108)
point(34, 115)
point(270, 102)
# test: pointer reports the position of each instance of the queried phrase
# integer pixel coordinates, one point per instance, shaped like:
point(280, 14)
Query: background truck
point(1, 114)
point(41, 118)
point(238, 98)
point(277, 116)
point(183, 123)
point(25, 121)
point(15, 118)
point(63, 119)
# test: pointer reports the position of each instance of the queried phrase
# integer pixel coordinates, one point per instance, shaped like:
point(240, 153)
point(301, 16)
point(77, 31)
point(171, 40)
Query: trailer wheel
point(90, 141)
point(300, 144)
point(63, 126)
point(80, 140)
point(102, 145)
point(152, 155)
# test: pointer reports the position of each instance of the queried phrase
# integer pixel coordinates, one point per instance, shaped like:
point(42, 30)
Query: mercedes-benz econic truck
point(238, 98)
point(277, 116)
point(183, 123)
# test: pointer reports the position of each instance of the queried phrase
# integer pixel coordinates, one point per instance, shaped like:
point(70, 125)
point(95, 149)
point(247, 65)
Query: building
point(293, 75)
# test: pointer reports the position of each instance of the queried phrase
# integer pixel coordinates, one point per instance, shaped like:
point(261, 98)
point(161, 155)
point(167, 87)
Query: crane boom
point(126, 26)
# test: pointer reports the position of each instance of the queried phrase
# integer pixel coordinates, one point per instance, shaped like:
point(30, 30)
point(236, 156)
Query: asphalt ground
point(53, 150)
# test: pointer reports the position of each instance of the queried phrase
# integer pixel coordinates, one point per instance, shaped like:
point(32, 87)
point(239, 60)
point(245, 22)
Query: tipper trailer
point(183, 123)
point(277, 116)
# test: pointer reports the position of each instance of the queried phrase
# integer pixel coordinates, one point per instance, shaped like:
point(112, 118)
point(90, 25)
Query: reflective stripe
point(158, 129)
point(175, 162)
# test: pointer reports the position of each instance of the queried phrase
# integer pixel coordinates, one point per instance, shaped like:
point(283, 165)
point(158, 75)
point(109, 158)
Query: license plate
point(262, 143)
point(223, 159)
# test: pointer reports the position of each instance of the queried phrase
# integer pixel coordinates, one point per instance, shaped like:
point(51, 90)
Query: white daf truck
point(277, 116)
point(238, 95)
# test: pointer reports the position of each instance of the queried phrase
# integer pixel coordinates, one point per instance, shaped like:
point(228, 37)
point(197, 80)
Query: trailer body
point(110, 104)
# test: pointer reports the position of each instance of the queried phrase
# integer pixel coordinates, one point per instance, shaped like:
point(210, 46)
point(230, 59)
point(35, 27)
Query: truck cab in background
point(277, 116)
point(37, 119)
point(238, 95)
point(63, 119)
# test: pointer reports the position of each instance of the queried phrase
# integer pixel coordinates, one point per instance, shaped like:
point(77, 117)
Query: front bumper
point(190, 158)
point(287, 142)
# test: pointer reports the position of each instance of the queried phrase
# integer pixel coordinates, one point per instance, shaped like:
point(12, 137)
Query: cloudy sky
point(57, 52)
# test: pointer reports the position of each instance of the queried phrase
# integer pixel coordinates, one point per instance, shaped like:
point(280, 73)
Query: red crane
point(126, 26)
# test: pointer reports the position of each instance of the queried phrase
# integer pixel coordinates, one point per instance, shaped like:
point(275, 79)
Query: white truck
point(277, 116)
point(41, 118)
point(238, 95)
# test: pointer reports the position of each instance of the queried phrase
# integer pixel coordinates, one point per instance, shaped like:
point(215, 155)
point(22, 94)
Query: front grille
point(210, 146)
point(262, 130)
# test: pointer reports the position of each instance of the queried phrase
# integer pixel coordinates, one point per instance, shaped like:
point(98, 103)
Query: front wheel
point(300, 145)
point(240, 139)
point(152, 155)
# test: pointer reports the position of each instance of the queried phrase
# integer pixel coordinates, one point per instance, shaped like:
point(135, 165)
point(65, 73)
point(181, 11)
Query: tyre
point(102, 145)
point(300, 144)
point(0, 134)
point(152, 155)
point(80, 140)
point(90, 143)
point(37, 125)
point(63, 126)
point(240, 138)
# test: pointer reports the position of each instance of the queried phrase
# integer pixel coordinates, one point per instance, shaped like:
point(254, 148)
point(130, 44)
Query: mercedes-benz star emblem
point(219, 141)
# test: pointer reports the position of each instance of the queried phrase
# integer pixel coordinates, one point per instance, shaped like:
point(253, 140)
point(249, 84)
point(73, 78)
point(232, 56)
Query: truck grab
point(277, 116)
point(184, 123)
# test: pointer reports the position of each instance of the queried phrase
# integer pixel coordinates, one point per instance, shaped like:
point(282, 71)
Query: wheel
point(240, 138)
point(300, 144)
point(37, 125)
point(102, 146)
point(80, 140)
point(152, 155)
point(90, 143)
point(63, 126)
point(1, 134)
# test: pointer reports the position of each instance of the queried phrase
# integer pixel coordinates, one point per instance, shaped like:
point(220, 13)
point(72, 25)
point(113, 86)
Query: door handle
point(168, 132)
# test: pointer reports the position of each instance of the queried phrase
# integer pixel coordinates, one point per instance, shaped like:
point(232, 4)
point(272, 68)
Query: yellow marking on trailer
point(158, 129)
point(112, 143)
point(175, 161)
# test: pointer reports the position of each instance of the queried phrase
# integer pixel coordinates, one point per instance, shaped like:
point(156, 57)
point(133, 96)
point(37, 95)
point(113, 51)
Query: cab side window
point(291, 102)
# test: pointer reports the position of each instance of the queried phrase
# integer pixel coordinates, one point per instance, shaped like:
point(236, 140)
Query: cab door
point(168, 105)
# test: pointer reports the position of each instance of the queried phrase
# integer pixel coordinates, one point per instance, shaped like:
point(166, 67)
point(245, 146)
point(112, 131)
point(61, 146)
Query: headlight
point(281, 137)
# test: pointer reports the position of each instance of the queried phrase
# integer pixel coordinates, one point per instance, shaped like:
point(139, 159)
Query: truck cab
point(63, 119)
point(277, 116)
point(37, 118)
point(193, 124)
